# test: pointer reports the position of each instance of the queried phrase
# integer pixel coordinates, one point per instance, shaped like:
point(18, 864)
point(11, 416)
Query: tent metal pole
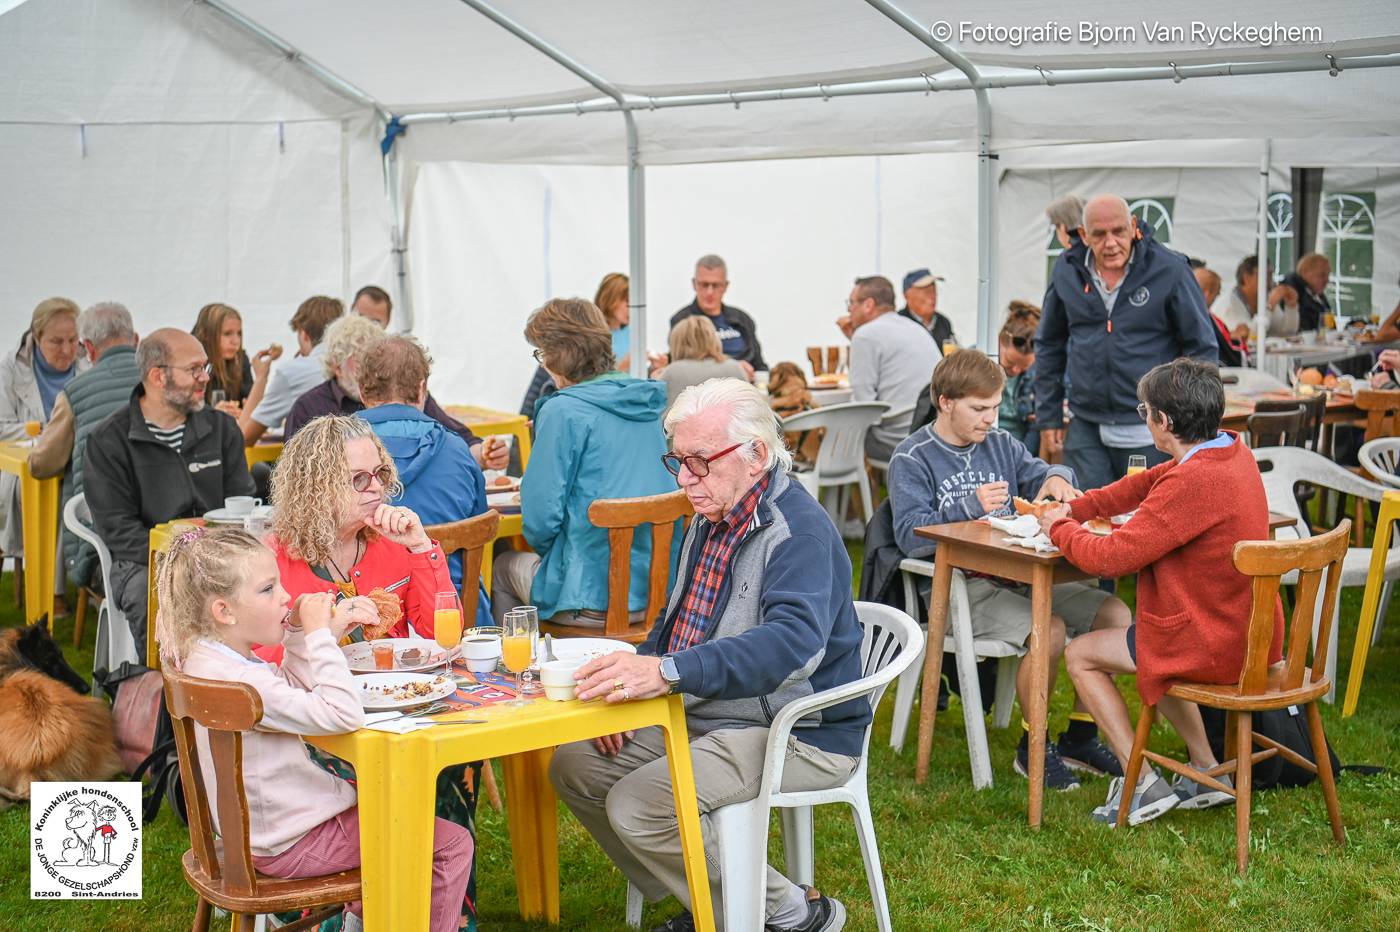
point(323, 74)
point(986, 180)
point(1261, 283)
point(636, 176)
point(392, 181)
point(918, 85)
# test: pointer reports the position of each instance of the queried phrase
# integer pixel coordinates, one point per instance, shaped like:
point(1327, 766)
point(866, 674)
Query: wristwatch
point(670, 675)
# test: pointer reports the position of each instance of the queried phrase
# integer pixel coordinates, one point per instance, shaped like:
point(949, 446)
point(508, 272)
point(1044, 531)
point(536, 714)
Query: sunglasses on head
point(359, 480)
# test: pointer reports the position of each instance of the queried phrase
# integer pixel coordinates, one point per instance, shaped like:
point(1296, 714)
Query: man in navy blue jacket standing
point(1118, 304)
point(760, 616)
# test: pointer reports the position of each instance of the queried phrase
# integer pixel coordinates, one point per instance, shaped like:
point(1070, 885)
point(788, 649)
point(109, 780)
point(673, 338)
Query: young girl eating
point(219, 595)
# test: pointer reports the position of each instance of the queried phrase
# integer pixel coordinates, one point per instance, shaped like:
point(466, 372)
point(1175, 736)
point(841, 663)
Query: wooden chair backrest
point(471, 536)
point(1382, 413)
point(1314, 408)
point(226, 710)
point(1277, 428)
point(825, 359)
point(1266, 562)
point(621, 517)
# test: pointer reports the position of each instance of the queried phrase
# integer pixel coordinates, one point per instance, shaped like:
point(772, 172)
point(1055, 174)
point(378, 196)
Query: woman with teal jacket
point(599, 436)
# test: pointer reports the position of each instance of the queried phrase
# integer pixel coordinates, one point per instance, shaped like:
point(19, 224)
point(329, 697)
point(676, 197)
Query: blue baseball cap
point(919, 278)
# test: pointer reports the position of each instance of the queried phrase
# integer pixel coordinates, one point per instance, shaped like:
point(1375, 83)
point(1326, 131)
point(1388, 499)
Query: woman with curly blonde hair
point(335, 529)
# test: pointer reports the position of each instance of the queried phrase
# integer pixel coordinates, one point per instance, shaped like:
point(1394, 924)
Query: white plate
point(587, 648)
point(376, 690)
point(360, 655)
point(224, 516)
point(503, 501)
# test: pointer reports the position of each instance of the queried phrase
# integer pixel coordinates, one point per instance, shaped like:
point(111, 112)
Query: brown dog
point(51, 732)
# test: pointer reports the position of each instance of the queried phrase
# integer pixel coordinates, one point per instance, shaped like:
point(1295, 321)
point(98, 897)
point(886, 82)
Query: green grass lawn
point(953, 858)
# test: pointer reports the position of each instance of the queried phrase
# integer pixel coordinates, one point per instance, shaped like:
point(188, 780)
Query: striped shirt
point(172, 437)
point(699, 604)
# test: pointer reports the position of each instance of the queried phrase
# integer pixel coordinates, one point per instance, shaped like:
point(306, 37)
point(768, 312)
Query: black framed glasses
point(698, 465)
point(538, 354)
point(359, 480)
point(1143, 410)
point(193, 372)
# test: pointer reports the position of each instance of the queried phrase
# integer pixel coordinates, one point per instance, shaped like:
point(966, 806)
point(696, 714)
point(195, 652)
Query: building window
point(1154, 212)
point(1347, 239)
point(1280, 234)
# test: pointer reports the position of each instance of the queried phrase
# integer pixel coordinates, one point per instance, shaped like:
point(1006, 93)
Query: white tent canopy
point(171, 152)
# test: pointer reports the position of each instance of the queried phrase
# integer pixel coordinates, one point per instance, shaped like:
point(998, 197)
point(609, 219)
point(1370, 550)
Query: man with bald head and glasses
point(760, 615)
point(165, 455)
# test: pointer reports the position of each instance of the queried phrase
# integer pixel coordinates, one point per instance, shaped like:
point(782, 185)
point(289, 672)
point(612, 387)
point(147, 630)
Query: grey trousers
point(625, 801)
point(130, 592)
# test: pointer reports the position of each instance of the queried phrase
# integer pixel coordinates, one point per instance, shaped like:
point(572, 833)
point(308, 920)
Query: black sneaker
point(824, 914)
point(1057, 775)
point(1091, 757)
point(683, 922)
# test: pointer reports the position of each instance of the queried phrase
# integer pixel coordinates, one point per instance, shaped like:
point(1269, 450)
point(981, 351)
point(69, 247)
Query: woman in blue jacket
point(598, 436)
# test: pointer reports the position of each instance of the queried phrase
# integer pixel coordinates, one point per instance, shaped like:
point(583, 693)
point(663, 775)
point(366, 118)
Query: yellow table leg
point(1370, 602)
point(522, 440)
point(39, 512)
point(534, 833)
point(396, 789)
point(688, 816)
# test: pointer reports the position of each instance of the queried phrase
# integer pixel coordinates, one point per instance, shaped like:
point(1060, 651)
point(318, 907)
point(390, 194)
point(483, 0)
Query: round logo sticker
point(86, 842)
point(1139, 297)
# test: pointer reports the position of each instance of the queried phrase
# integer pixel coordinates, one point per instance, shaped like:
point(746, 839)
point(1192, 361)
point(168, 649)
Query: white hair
point(711, 261)
point(750, 417)
point(106, 322)
point(1118, 201)
point(1066, 211)
point(347, 336)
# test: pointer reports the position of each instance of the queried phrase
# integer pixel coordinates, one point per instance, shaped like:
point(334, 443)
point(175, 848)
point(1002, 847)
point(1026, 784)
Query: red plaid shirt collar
point(699, 604)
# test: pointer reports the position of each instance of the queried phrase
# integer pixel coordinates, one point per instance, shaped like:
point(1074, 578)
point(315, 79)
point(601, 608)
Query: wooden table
point(976, 545)
point(397, 777)
point(39, 517)
point(1341, 409)
point(485, 422)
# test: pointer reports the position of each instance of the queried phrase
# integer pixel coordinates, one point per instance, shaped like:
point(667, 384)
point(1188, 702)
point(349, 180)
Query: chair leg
point(1387, 591)
point(19, 583)
point(906, 689)
point(1007, 668)
point(974, 721)
point(743, 851)
point(1324, 773)
point(870, 853)
point(488, 783)
point(1244, 764)
point(244, 922)
point(79, 616)
point(1130, 778)
point(201, 916)
point(865, 496)
point(635, 902)
point(798, 853)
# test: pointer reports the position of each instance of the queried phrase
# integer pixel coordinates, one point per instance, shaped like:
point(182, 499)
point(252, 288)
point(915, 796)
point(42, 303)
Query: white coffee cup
point(241, 504)
point(481, 652)
point(557, 677)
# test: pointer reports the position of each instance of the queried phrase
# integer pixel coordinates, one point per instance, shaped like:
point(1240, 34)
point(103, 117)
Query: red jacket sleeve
point(427, 576)
point(1118, 498)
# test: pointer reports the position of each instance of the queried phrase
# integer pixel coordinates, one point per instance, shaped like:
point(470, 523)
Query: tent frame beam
point(636, 178)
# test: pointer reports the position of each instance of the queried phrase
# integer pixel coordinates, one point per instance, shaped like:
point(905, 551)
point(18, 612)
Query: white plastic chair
point(115, 643)
point(1294, 464)
point(1381, 457)
point(892, 417)
point(1249, 379)
point(960, 642)
point(891, 644)
point(841, 457)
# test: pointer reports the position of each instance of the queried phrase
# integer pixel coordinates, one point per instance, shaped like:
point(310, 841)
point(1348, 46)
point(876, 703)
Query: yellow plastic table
point(485, 422)
point(39, 515)
point(397, 776)
point(1370, 602)
point(262, 453)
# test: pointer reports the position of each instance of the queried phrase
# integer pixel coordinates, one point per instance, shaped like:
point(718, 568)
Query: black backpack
point(1289, 727)
point(163, 768)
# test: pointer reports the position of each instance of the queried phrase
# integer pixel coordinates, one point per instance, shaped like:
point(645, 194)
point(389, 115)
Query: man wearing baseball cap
point(921, 305)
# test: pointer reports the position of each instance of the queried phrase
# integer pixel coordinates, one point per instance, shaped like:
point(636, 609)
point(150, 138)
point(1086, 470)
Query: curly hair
point(199, 566)
point(311, 485)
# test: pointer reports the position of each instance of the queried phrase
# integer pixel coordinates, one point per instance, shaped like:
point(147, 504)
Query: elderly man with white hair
point(1119, 303)
point(760, 616)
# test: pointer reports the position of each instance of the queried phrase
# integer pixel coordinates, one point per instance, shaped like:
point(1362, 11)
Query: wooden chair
point(221, 871)
point(1382, 410)
point(19, 576)
point(827, 360)
point(1314, 408)
point(1277, 428)
point(85, 594)
point(1262, 687)
point(473, 537)
point(622, 517)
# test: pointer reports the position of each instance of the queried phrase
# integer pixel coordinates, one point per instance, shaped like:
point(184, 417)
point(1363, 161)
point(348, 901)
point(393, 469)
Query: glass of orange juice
point(1136, 464)
point(33, 428)
point(518, 647)
point(447, 623)
point(530, 687)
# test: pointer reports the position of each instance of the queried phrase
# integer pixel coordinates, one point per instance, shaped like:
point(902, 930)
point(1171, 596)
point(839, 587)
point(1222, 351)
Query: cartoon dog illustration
point(82, 822)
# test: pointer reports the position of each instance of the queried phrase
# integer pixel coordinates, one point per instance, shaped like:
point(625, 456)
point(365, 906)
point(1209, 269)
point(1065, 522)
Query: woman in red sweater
point(1192, 605)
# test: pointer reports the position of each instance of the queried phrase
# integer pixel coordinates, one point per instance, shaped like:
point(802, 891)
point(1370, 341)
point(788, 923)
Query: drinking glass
point(447, 624)
point(217, 396)
point(530, 687)
point(1136, 464)
point(517, 648)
